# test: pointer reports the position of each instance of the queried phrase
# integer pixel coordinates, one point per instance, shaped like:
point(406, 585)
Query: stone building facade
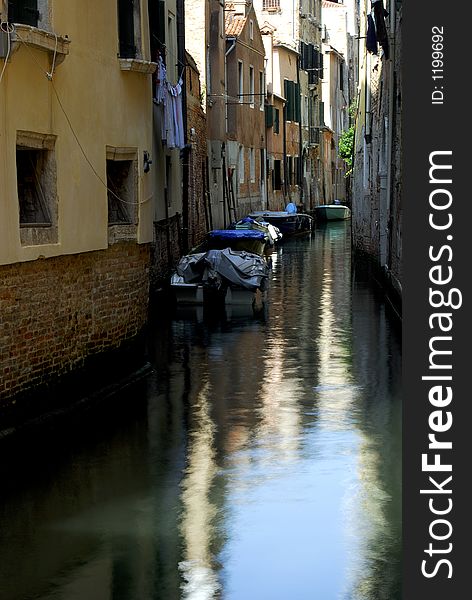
point(75, 195)
point(198, 195)
point(297, 26)
point(206, 43)
point(245, 121)
point(377, 187)
point(166, 172)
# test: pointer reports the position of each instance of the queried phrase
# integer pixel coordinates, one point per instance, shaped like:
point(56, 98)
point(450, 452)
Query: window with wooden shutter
point(296, 102)
point(321, 114)
point(276, 120)
point(288, 93)
point(306, 56)
point(23, 11)
point(287, 99)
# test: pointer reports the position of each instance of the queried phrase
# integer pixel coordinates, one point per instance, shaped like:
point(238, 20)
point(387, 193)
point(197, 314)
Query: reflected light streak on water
point(260, 461)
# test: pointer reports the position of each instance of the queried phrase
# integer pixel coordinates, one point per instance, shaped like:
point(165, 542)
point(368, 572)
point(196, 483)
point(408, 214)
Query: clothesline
point(167, 51)
point(169, 98)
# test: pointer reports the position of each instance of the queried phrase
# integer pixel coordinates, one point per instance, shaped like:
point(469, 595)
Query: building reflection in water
point(198, 511)
point(262, 459)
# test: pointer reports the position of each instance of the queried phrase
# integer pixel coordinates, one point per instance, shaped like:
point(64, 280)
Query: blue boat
point(249, 240)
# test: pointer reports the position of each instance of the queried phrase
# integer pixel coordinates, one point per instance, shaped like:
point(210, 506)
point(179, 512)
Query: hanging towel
point(168, 125)
point(380, 27)
point(161, 82)
point(173, 120)
point(371, 42)
point(178, 117)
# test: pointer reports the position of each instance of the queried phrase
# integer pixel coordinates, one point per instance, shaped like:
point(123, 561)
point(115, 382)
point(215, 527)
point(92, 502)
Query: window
point(271, 5)
point(251, 86)
point(157, 29)
point(290, 170)
point(341, 76)
point(36, 186)
point(23, 11)
point(121, 183)
point(241, 164)
point(252, 165)
point(240, 80)
point(129, 29)
point(311, 61)
point(276, 176)
point(276, 120)
point(34, 193)
point(251, 29)
point(321, 119)
point(261, 90)
point(292, 97)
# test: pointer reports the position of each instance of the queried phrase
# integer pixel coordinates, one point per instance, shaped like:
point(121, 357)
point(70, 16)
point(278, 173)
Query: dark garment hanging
point(371, 42)
point(380, 27)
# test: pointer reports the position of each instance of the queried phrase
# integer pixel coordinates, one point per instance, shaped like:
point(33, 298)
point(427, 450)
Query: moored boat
point(332, 212)
point(273, 233)
point(232, 276)
point(248, 240)
point(288, 223)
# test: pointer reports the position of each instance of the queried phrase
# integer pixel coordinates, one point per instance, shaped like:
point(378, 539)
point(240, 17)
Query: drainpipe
point(266, 170)
point(300, 135)
point(284, 141)
point(392, 88)
point(230, 49)
point(185, 154)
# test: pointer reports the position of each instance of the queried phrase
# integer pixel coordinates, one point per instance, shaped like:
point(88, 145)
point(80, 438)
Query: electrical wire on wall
point(10, 28)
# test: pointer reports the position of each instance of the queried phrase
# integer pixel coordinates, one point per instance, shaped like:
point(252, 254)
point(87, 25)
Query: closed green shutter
point(291, 98)
point(297, 102)
point(287, 99)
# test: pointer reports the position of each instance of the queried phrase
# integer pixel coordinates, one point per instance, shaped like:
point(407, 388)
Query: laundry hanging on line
point(380, 26)
point(371, 42)
point(169, 97)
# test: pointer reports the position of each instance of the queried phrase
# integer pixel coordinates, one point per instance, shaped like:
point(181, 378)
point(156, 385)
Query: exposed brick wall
point(166, 249)
point(55, 313)
point(197, 136)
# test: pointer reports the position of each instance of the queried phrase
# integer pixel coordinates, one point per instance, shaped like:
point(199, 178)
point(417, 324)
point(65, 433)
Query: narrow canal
point(261, 460)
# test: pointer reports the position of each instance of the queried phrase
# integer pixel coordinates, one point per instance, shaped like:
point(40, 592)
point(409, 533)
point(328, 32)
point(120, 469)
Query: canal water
point(260, 461)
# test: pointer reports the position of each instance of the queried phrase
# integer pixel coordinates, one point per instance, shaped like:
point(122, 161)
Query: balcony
point(271, 5)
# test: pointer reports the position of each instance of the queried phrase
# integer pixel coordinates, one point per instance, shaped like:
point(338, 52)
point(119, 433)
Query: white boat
point(332, 212)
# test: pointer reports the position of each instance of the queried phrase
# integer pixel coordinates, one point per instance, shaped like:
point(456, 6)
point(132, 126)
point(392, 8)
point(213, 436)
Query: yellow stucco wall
point(106, 106)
